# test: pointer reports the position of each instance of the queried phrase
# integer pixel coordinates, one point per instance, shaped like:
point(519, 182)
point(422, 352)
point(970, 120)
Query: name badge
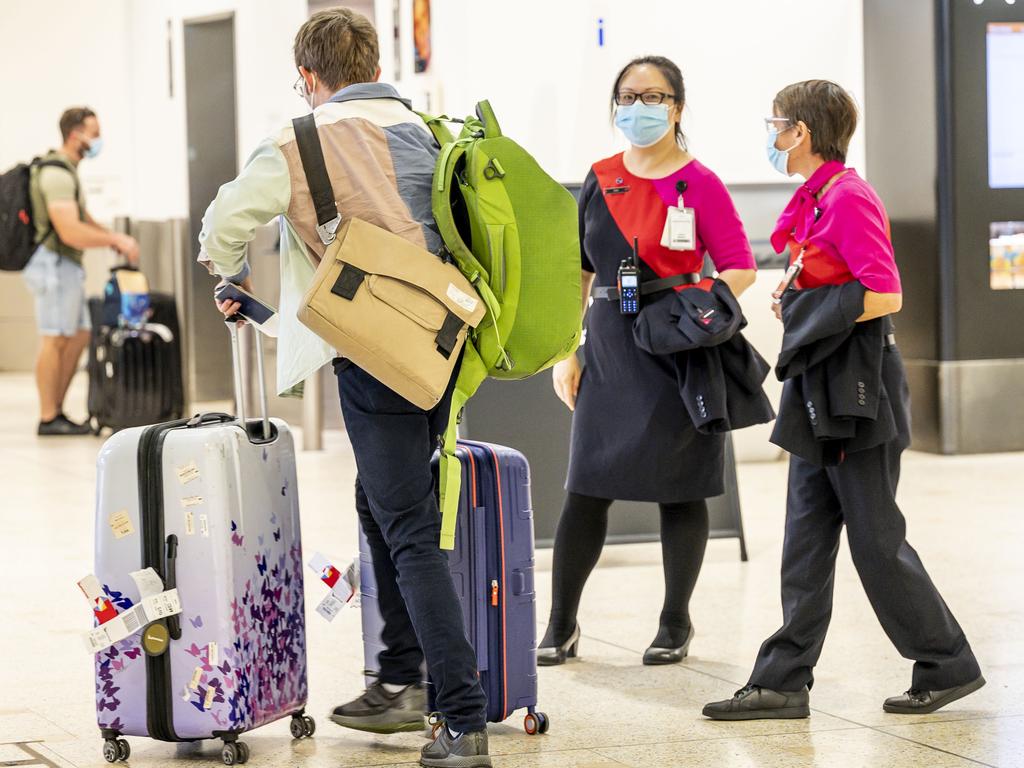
point(680, 233)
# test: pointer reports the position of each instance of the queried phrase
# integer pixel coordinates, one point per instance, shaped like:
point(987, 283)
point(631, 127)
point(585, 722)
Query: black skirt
point(632, 438)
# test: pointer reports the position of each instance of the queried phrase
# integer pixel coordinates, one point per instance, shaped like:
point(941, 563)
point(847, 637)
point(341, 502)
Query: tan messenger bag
point(391, 307)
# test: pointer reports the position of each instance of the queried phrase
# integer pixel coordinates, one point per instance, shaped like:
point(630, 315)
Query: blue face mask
point(94, 147)
point(779, 158)
point(644, 125)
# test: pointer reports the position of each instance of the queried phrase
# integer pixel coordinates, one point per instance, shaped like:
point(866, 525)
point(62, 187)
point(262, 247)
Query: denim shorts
point(58, 285)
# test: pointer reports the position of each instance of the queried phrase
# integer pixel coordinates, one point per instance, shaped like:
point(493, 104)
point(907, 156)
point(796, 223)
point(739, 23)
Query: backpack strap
point(438, 126)
point(311, 153)
point(486, 114)
point(471, 375)
point(40, 164)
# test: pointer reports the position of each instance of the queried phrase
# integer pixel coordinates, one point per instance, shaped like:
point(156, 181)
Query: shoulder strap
point(40, 164)
point(312, 156)
point(57, 164)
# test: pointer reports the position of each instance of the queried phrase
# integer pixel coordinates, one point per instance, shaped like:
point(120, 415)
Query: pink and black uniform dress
point(632, 438)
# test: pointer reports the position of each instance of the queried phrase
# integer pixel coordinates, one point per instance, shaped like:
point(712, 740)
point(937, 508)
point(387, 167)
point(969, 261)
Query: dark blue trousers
point(393, 441)
point(860, 493)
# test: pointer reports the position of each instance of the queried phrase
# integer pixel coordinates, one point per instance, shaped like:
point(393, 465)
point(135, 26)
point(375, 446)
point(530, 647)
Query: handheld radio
point(629, 282)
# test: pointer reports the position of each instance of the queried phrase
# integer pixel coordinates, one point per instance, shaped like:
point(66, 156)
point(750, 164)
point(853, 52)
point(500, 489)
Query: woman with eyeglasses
point(845, 419)
point(632, 438)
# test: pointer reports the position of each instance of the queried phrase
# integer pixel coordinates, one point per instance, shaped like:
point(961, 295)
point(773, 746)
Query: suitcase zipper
point(159, 706)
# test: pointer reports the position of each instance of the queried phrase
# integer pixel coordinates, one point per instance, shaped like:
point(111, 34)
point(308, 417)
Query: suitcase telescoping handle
point(240, 388)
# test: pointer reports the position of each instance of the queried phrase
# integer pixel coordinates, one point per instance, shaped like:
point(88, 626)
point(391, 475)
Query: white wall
point(54, 62)
point(119, 66)
point(539, 63)
point(264, 71)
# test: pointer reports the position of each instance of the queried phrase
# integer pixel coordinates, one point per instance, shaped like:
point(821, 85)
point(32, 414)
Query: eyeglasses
point(650, 98)
point(300, 87)
point(777, 123)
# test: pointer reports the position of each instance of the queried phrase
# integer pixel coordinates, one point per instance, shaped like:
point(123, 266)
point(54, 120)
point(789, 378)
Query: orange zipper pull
point(494, 593)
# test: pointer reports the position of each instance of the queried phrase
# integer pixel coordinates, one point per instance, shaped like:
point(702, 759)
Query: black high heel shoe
point(553, 656)
point(654, 656)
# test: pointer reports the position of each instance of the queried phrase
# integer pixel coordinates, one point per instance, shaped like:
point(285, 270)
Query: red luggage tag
point(103, 609)
point(344, 585)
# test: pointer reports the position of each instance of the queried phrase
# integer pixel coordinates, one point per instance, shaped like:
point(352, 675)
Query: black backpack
point(17, 227)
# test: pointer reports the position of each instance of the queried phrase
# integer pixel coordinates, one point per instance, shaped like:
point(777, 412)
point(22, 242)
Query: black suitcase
point(135, 376)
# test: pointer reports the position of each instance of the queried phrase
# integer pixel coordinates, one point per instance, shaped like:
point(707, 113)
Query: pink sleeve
point(860, 233)
point(720, 229)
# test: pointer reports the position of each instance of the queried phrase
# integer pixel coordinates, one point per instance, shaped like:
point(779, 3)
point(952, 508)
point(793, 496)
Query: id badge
point(680, 233)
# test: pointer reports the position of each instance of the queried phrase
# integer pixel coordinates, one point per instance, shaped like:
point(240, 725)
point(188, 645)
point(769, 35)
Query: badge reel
point(629, 282)
point(792, 273)
point(680, 233)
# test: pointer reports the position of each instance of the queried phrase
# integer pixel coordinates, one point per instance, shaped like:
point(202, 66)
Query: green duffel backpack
point(513, 232)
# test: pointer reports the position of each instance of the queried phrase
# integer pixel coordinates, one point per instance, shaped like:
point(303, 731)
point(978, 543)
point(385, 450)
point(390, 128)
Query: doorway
point(211, 126)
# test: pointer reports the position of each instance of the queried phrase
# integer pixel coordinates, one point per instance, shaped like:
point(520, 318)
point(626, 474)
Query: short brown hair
point(73, 118)
point(827, 109)
point(340, 45)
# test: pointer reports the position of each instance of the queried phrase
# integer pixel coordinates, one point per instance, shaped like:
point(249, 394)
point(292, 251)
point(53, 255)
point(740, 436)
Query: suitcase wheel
point(536, 722)
point(302, 726)
point(235, 752)
point(116, 749)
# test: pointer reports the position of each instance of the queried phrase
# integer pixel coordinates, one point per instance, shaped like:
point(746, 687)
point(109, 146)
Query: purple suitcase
point(212, 507)
point(492, 568)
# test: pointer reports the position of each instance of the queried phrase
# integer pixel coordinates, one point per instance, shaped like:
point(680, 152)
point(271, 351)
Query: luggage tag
point(344, 585)
point(680, 232)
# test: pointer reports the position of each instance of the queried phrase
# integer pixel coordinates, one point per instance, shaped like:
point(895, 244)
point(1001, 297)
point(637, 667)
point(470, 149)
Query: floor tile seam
point(57, 753)
point(46, 716)
point(919, 723)
point(724, 737)
point(933, 747)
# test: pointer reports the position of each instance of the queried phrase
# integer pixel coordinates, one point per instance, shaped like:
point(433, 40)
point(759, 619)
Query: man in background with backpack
point(380, 158)
point(54, 274)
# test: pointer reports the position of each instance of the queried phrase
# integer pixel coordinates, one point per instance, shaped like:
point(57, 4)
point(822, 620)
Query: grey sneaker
point(378, 711)
point(755, 703)
point(468, 750)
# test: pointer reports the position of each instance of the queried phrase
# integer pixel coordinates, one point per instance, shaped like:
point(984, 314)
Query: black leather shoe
point(63, 427)
point(915, 702)
point(655, 656)
point(556, 655)
point(755, 703)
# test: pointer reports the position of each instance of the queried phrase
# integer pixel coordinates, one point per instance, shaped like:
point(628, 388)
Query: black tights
point(579, 540)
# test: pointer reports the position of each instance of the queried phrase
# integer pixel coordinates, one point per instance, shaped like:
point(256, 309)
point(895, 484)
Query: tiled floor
point(966, 517)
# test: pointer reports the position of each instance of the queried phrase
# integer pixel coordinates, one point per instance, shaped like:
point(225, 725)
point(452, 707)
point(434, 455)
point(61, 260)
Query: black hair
point(670, 70)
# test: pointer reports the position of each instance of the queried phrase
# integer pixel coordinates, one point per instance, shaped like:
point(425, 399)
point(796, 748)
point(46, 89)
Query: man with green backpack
point(396, 180)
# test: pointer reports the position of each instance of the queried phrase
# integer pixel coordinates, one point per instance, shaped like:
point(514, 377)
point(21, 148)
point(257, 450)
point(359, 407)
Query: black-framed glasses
point(650, 98)
point(300, 87)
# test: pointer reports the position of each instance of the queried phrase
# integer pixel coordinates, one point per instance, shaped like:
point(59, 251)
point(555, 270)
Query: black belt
point(611, 293)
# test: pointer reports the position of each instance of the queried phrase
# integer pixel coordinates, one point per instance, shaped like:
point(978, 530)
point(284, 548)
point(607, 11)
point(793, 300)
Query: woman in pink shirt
point(844, 417)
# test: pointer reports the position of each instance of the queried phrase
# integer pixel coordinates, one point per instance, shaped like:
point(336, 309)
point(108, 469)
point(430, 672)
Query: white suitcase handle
point(240, 388)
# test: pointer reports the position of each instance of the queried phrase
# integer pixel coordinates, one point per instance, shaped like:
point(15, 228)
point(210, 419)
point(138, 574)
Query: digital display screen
point(1005, 60)
point(1006, 255)
point(629, 281)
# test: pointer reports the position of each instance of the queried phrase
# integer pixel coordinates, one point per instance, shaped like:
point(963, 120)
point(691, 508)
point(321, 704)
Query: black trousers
point(393, 441)
point(860, 492)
